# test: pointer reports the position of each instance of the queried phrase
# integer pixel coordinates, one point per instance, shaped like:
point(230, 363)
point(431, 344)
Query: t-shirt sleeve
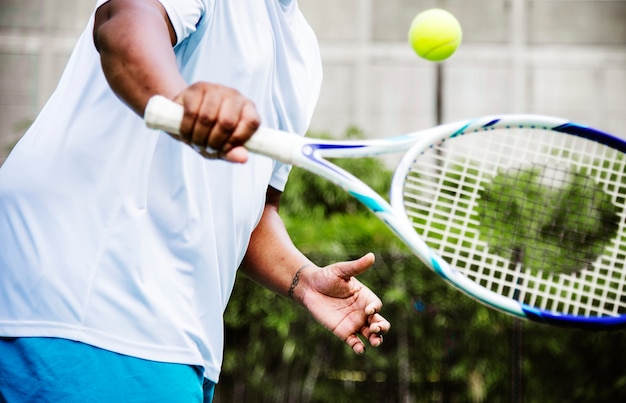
point(183, 14)
point(280, 175)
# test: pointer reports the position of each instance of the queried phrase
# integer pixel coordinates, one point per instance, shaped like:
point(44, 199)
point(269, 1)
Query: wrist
point(296, 289)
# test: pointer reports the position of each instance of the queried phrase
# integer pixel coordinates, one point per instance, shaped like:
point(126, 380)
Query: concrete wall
point(36, 38)
point(557, 57)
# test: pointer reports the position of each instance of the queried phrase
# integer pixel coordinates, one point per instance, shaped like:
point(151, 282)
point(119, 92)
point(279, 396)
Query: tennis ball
point(435, 34)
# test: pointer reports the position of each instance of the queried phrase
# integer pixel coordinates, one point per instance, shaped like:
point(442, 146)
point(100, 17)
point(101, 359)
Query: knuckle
point(252, 123)
point(205, 118)
point(228, 124)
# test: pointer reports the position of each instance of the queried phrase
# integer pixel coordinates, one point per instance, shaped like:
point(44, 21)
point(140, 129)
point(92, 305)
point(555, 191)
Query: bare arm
point(135, 41)
point(332, 294)
point(272, 260)
point(135, 38)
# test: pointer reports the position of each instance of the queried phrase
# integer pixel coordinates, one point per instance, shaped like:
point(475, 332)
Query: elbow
point(99, 33)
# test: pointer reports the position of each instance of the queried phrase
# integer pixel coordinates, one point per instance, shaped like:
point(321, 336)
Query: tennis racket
point(524, 213)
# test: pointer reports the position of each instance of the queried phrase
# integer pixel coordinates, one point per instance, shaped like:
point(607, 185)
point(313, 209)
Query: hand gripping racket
point(524, 213)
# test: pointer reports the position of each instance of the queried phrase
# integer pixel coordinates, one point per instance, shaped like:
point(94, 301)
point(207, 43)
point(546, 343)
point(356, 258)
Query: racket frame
point(311, 154)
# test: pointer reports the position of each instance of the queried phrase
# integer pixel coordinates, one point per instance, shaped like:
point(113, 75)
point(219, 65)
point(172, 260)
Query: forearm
point(272, 260)
point(134, 38)
point(332, 295)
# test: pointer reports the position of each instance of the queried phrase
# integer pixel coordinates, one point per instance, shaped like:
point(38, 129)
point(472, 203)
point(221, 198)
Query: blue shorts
point(39, 369)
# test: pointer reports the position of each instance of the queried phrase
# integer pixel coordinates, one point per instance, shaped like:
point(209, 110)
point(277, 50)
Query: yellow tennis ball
point(435, 34)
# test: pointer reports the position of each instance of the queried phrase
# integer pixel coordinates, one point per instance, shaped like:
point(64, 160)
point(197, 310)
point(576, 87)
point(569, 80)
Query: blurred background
point(556, 57)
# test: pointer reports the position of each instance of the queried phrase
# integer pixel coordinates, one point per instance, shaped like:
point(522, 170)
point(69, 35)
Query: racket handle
point(164, 114)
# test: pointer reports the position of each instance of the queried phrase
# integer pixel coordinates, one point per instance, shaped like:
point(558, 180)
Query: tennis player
point(119, 244)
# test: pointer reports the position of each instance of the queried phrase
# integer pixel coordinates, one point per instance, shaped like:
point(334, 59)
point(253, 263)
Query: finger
point(374, 334)
point(356, 344)
point(227, 121)
point(356, 267)
point(191, 102)
point(206, 119)
point(375, 340)
point(373, 307)
point(249, 122)
point(379, 325)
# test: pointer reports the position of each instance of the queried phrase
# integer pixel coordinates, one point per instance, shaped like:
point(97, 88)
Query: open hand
point(342, 304)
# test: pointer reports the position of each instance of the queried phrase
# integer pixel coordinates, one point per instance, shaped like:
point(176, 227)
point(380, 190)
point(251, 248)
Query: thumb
point(356, 267)
point(237, 154)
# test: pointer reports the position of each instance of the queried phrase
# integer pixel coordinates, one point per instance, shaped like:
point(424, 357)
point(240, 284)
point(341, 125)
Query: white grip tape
point(164, 114)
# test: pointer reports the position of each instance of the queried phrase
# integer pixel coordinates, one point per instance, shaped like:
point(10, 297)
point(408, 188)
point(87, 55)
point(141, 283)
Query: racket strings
point(534, 215)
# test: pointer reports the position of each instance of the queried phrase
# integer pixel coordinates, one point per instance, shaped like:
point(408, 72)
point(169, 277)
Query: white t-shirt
point(121, 237)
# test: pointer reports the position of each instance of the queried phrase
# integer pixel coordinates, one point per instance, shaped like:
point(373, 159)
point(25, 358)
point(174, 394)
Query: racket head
point(524, 213)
